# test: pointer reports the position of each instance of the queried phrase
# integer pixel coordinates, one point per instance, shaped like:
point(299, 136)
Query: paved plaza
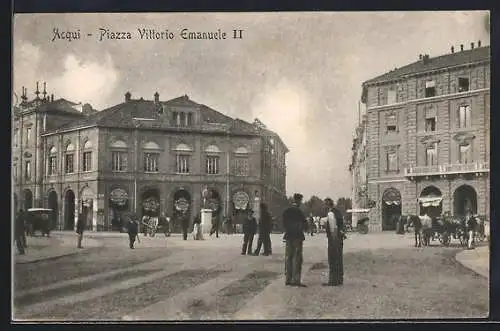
point(171, 279)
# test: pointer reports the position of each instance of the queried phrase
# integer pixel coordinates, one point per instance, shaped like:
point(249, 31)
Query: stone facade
point(418, 136)
point(91, 189)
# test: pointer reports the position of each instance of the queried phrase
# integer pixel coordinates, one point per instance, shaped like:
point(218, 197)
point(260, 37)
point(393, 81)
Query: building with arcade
point(143, 156)
point(427, 137)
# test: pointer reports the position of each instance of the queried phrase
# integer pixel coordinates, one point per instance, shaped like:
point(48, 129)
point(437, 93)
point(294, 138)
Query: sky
point(299, 73)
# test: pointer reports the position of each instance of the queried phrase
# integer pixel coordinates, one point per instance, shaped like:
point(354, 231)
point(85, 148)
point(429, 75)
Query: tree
point(314, 205)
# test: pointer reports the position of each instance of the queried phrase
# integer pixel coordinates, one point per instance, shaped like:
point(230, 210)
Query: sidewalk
point(478, 260)
point(57, 245)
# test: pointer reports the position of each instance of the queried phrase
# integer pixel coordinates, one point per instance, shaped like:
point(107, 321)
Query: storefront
point(118, 205)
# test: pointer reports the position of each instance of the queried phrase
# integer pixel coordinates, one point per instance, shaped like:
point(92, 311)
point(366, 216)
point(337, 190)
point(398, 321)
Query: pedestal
point(206, 220)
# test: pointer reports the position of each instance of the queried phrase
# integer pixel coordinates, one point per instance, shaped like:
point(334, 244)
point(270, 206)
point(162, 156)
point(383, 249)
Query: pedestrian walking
point(335, 235)
point(197, 232)
point(184, 224)
point(265, 227)
point(310, 225)
point(80, 227)
point(20, 231)
point(215, 226)
point(132, 230)
point(471, 226)
point(294, 223)
point(249, 229)
point(164, 223)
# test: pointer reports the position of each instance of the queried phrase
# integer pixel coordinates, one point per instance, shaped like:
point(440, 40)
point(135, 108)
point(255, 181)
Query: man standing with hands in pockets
point(335, 235)
point(294, 222)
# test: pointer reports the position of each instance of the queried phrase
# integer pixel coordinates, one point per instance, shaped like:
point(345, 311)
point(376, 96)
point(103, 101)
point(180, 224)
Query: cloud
point(284, 108)
point(87, 81)
point(26, 61)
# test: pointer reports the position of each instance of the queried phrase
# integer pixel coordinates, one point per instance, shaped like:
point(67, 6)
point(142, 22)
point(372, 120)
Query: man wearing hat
point(335, 235)
point(294, 223)
point(249, 229)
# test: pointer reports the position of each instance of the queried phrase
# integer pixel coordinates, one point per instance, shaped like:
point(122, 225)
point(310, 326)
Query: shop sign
point(118, 196)
point(151, 204)
point(182, 204)
point(240, 200)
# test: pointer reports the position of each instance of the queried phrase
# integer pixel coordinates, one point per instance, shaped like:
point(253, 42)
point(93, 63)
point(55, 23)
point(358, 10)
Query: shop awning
point(430, 201)
point(357, 210)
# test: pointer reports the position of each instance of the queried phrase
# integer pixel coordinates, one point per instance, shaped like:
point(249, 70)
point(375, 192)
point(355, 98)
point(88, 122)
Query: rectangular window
point(120, 161)
point(27, 170)
point(430, 124)
point(190, 119)
point(430, 89)
point(392, 161)
point(69, 163)
point(175, 118)
point(464, 151)
point(241, 166)
point(87, 161)
point(52, 167)
point(463, 84)
point(151, 162)
point(14, 171)
point(16, 135)
point(212, 165)
point(391, 124)
point(431, 155)
point(182, 118)
point(391, 97)
point(464, 120)
point(28, 136)
point(182, 164)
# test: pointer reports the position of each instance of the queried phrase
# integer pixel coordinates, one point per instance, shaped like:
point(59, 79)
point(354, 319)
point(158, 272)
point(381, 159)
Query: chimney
point(157, 97)
point(127, 96)
point(452, 49)
point(425, 58)
point(52, 97)
point(37, 92)
point(44, 91)
point(420, 56)
point(479, 43)
point(461, 47)
point(471, 45)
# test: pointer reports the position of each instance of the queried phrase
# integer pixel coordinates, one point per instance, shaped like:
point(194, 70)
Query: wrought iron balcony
point(447, 169)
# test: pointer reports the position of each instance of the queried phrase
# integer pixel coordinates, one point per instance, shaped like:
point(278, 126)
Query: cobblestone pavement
point(172, 279)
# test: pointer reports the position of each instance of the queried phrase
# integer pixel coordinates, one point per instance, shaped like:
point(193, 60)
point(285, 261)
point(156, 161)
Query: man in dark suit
point(19, 231)
point(80, 227)
point(295, 224)
point(335, 234)
point(133, 230)
point(249, 229)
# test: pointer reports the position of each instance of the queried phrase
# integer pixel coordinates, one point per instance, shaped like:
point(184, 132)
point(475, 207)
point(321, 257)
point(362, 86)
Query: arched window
point(119, 156)
point(241, 150)
point(87, 156)
point(151, 145)
point(69, 159)
point(52, 161)
point(119, 144)
point(212, 160)
point(182, 158)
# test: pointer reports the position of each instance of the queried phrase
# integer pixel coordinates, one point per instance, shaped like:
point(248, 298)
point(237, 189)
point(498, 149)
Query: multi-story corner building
point(145, 156)
point(428, 136)
point(357, 168)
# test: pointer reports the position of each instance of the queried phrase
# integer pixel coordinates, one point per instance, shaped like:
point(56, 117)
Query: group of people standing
point(295, 224)
point(264, 227)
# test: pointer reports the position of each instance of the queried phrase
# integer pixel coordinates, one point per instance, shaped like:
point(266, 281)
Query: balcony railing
point(447, 169)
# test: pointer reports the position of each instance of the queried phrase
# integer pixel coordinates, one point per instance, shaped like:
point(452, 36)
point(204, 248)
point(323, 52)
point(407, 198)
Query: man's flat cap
point(297, 196)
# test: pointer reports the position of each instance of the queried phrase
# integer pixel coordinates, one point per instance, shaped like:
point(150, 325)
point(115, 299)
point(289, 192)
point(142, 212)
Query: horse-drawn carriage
point(38, 219)
point(443, 228)
point(361, 224)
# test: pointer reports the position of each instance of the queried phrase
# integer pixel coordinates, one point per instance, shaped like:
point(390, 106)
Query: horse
point(422, 228)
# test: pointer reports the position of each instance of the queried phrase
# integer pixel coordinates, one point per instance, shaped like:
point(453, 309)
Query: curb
point(471, 266)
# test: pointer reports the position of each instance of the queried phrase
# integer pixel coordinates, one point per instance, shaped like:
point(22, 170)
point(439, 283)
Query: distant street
point(172, 279)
